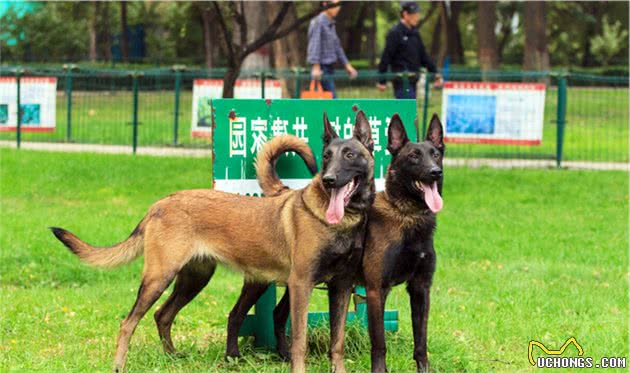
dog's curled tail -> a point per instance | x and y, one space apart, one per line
121 253
268 155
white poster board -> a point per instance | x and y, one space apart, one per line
204 90
37 99
493 113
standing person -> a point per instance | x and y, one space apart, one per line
405 52
324 48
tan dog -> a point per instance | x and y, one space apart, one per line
300 237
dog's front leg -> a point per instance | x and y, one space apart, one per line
420 301
419 289
300 293
376 327
338 298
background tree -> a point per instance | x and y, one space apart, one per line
255 17
536 55
93 30
61 25
206 17
356 27
190 32
488 53
124 36
104 33
237 51
609 42
438 39
289 51
506 16
454 47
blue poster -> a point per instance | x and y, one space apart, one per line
471 114
31 114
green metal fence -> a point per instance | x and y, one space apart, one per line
585 116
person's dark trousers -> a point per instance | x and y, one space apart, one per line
400 92
327 81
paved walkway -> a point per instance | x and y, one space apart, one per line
535 163
110 149
200 153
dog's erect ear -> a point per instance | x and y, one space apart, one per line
396 135
435 134
329 131
362 131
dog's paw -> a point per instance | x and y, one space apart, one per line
232 355
284 354
177 354
423 366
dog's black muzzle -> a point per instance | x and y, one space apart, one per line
435 173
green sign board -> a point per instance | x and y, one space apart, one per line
242 126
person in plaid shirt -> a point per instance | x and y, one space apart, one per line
324 48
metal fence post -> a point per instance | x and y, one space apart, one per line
135 112
18 129
68 69
298 83
425 105
405 81
561 116
178 83
263 76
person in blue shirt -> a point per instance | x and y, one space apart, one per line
324 48
405 52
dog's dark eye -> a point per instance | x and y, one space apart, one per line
326 156
413 156
436 155
349 155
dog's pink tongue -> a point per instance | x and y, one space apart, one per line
432 197
335 211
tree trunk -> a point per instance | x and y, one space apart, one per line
206 19
237 51
455 50
343 24
93 31
229 79
351 27
536 55
124 37
486 38
255 13
284 52
436 37
439 44
372 35
105 33
590 30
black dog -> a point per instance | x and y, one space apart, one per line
399 242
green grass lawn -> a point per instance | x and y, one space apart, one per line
522 254
596 128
